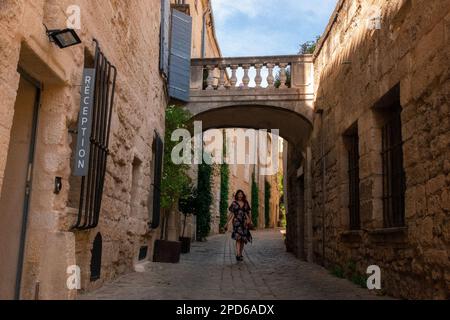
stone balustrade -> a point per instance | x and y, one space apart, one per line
245 93
252 73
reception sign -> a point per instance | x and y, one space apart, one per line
85 123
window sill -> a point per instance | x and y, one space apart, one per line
352 236
351 233
389 236
389 231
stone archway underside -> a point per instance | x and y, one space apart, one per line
293 127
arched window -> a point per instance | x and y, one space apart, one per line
96 258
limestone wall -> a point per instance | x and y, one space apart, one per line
138 111
199 9
369 47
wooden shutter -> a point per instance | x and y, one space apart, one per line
165 37
180 56
159 153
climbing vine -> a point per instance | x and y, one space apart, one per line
282 207
224 191
267 196
255 201
204 201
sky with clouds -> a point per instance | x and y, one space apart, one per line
269 27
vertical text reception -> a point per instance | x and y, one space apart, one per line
85 123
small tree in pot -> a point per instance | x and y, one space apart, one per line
174 181
186 205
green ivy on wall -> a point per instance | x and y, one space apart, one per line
255 201
267 196
224 191
204 201
282 207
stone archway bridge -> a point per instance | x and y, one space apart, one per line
271 92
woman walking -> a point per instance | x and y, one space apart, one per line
242 222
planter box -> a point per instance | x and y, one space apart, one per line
185 245
167 251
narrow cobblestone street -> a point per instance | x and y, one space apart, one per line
210 272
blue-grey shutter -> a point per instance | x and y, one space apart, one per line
165 37
180 56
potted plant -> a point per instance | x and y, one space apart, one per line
186 206
173 183
166 251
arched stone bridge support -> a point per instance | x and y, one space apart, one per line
264 93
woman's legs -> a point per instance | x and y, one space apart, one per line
241 248
238 248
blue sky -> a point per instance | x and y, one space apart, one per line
269 27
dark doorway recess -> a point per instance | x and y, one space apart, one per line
96 258
17 186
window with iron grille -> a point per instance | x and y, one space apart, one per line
393 172
97 141
353 178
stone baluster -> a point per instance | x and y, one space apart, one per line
258 78
222 78
270 77
233 79
246 78
283 75
210 79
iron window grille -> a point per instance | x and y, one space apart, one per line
92 184
393 172
353 176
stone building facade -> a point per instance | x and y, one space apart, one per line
204 45
241 177
371 188
40 88
380 148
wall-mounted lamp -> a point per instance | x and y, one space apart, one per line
63 38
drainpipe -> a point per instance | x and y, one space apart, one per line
205 13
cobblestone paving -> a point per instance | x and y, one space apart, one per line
211 272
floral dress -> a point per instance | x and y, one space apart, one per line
240 229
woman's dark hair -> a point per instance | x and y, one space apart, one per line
243 193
